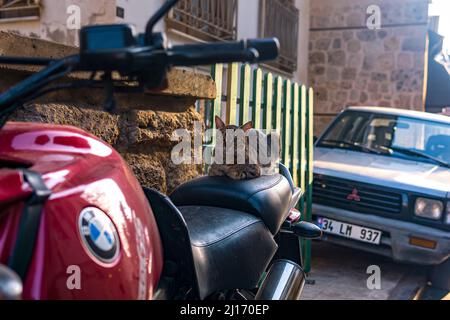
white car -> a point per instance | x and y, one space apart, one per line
382 183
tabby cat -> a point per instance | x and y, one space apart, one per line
248 151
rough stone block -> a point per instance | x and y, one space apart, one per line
413 44
317 58
99 123
366 35
336 57
353 46
378 76
323 44
349 74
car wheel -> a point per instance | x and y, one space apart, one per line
440 276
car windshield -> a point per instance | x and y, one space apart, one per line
396 136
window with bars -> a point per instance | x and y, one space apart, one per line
19 10
280 18
208 20
120 12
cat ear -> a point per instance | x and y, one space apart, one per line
219 123
247 126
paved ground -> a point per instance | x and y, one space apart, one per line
340 273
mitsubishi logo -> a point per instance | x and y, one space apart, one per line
354 196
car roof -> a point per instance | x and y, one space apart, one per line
403 113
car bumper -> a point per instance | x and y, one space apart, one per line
395 241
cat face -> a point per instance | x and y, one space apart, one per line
232 142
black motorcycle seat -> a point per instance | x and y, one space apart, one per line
230 249
266 197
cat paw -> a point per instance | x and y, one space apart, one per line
253 172
214 171
235 175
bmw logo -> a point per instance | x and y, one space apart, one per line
99 235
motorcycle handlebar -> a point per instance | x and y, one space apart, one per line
252 51
135 60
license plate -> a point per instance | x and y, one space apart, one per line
348 230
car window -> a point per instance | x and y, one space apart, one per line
411 134
429 137
379 132
349 128
390 135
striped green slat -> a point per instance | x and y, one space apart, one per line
302 137
295 132
244 107
256 98
309 151
232 90
217 75
268 101
216 108
309 174
302 157
286 122
278 104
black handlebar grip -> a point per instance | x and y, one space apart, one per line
226 47
194 58
252 51
268 48
210 53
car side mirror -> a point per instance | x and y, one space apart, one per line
10 284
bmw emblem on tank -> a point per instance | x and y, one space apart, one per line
99 235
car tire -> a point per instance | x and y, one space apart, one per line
440 276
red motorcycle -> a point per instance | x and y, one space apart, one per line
70 206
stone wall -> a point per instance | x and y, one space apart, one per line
350 64
140 129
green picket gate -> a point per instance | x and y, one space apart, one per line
272 103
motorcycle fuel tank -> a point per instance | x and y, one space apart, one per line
97 236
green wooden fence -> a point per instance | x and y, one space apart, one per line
272 103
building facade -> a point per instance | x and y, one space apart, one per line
191 21
335 46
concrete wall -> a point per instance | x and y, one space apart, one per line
138 12
53 22
350 64
303 40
